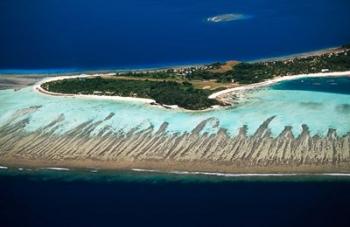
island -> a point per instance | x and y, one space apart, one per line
196 88
166 93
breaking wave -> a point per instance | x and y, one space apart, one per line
56 168
243 174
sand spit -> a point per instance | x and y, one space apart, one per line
156 148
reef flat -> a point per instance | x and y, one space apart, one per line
156 148
17 82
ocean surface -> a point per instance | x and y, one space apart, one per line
81 198
64 35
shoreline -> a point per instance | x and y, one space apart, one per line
219 174
304 54
276 80
178 168
63 72
30 169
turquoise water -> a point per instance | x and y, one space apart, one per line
320 110
86 197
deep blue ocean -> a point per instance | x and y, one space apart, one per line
69 35
59 198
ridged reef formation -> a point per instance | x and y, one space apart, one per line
157 148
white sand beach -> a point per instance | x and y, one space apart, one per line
37 87
276 80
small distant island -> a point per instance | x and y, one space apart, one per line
190 87
227 17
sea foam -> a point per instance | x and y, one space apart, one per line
56 168
243 174
218 174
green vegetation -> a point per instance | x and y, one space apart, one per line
203 75
216 65
164 92
168 74
247 73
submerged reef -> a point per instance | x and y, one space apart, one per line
158 148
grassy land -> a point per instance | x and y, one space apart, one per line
199 84
164 92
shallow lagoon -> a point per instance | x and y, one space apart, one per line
321 103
